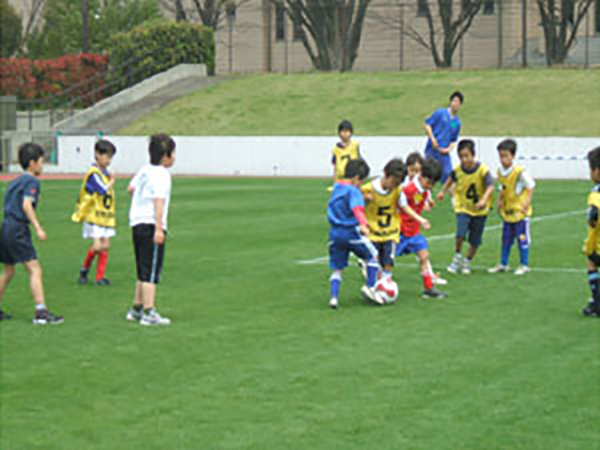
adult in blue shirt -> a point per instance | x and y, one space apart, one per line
443 130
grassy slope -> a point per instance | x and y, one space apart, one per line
254 359
498 103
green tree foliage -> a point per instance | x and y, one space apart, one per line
10 29
63 32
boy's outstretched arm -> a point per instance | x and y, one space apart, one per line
30 213
412 213
159 234
445 188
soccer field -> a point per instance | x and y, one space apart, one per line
255 359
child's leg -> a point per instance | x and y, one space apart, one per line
138 299
9 273
475 235
524 239
335 281
35 281
508 237
594 282
425 269
103 246
148 295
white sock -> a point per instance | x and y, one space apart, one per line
40 306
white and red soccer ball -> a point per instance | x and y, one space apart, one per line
387 289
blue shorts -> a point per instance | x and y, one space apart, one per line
16 246
518 230
386 251
343 241
470 228
411 244
444 160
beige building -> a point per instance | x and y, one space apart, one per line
260 38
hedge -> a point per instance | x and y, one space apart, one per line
154 47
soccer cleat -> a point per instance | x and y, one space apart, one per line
499 268
4 316
591 310
83 277
456 264
466 267
438 280
45 317
434 293
372 295
334 304
133 315
153 318
102 282
522 270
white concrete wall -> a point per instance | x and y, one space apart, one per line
311 156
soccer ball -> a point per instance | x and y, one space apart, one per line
387 289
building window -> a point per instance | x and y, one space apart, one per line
279 23
422 8
489 7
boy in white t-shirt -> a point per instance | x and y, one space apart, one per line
151 193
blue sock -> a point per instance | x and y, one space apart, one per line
505 254
335 281
372 271
524 254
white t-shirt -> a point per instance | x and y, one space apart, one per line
525 180
150 183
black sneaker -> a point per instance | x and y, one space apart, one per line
44 317
4 316
591 310
83 277
434 293
102 282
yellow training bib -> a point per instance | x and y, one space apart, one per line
470 189
592 243
94 207
342 156
382 214
512 203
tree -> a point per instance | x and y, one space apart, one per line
329 30
33 11
560 22
64 28
210 13
444 32
10 31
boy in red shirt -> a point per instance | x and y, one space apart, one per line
413 199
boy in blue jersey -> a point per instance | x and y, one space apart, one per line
16 246
349 230
443 130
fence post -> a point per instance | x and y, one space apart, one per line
587 39
401 36
524 34
500 34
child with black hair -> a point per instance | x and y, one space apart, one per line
16 245
473 186
349 231
151 194
96 208
591 247
344 151
514 206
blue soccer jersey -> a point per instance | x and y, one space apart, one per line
445 128
340 210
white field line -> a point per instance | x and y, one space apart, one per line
323 259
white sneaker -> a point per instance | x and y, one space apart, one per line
133 315
498 269
154 318
466 267
438 281
362 265
522 270
334 303
456 264
371 294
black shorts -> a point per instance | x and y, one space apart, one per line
387 252
470 228
16 246
594 258
149 256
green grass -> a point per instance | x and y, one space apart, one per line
254 358
498 103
